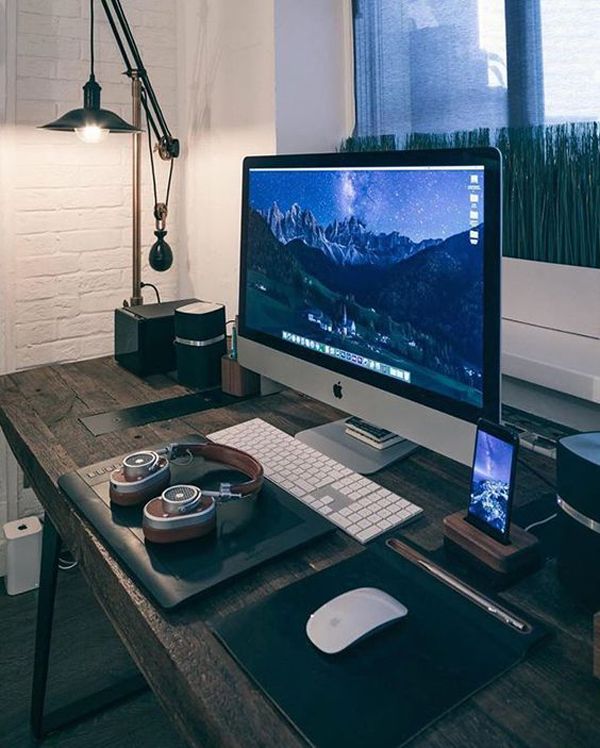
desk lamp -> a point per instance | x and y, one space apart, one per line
92 124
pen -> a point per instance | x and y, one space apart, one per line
464 589
233 352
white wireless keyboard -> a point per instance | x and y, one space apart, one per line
358 505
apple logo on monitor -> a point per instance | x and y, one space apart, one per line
337 391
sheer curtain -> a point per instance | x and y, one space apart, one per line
571 59
507 72
444 65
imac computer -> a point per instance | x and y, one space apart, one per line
371 281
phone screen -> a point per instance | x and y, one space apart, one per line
491 482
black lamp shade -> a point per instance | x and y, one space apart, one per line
90 115
79 118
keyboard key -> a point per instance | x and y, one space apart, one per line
340 474
367 534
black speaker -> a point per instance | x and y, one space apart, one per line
200 342
578 488
145 335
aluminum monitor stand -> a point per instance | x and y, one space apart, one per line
332 440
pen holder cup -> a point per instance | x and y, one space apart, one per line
237 381
506 563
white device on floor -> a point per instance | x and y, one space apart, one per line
361 507
23 554
351 617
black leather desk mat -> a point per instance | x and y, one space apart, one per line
389 687
162 410
173 573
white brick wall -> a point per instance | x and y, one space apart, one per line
65 215
71 213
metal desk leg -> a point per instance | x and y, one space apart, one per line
42 724
43 632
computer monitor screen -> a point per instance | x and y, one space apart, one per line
376 270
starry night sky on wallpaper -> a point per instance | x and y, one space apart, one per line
493 458
417 204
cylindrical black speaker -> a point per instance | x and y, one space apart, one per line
200 342
578 488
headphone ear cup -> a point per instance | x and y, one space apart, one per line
161 527
129 493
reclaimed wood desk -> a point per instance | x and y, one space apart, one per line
551 699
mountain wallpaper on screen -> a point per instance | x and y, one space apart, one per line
416 304
346 242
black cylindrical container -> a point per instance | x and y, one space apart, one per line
200 342
578 488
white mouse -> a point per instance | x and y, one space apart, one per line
352 616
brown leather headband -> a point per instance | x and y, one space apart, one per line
230 457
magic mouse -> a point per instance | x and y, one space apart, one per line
352 616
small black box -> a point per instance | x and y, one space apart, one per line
144 337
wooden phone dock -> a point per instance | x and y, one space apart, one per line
506 562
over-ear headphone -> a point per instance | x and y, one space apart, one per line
146 474
180 513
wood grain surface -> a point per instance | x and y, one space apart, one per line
551 699
521 553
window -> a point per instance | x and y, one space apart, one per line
571 54
429 65
433 66
442 73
